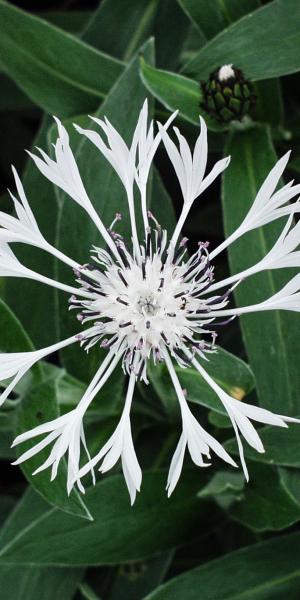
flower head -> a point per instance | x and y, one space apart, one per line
145 299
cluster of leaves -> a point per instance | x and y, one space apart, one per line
215 533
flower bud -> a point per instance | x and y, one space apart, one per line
227 95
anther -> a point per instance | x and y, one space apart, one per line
122 277
161 284
148 242
122 301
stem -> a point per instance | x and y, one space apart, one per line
135 239
184 213
107 238
99 380
234 236
144 208
61 256
57 284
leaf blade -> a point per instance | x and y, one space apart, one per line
249 44
49 73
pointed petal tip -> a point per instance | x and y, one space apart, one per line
133 496
14 170
170 491
36 472
17 440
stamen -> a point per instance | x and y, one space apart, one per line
118 217
220 323
148 243
122 277
182 244
122 301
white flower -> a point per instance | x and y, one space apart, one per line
268 204
67 431
193 436
120 445
282 255
124 159
240 413
148 301
67 434
64 173
190 169
16 364
10 266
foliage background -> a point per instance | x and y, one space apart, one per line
217 538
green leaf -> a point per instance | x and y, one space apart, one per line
271 338
218 420
14 339
135 580
266 505
290 480
282 447
39 584
269 104
34 584
249 44
171 24
161 204
76 231
119 533
63 76
176 92
6 438
87 592
230 372
12 98
223 483
39 406
214 16
265 571
6 505
119 27
40 322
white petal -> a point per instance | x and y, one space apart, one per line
37 448
176 464
218 168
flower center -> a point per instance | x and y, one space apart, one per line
146 303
